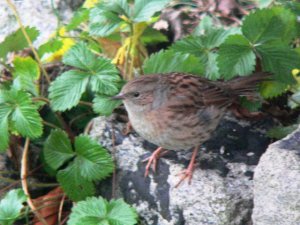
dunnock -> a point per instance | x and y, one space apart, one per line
178 111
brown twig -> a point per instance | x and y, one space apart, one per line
24 182
61 205
113 154
14 9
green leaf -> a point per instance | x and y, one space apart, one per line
95 211
93 160
104 105
25 117
280 60
191 45
204 47
252 106
211 67
50 46
74 184
97 72
145 9
215 37
266 25
23 114
5 111
205 25
236 57
81 57
105 79
66 90
280 132
170 61
26 73
11 205
152 36
16 41
271 89
57 149
80 16
105 17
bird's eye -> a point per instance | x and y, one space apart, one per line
136 94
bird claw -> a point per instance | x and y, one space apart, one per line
185 174
153 159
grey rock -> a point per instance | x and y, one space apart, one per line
33 13
277 183
221 190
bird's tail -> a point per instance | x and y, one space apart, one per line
246 86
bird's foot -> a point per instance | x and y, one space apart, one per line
153 159
188 172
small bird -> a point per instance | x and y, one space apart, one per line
178 111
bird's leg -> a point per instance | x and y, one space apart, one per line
188 172
152 160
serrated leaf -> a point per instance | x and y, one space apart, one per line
76 186
26 73
11 205
24 117
97 72
50 46
191 45
66 90
152 36
16 41
204 48
105 79
270 24
145 9
94 161
211 68
215 37
57 149
105 18
236 57
95 211
81 57
80 16
205 25
5 111
104 105
280 132
271 89
280 60
252 106
170 61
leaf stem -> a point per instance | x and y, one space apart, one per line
24 182
13 8
86 103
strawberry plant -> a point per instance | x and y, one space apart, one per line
105 44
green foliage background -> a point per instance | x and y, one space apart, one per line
267 40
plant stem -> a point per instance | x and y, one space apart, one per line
24 182
13 8
86 103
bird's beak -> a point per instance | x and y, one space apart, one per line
118 97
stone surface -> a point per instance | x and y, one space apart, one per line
37 14
277 183
221 190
